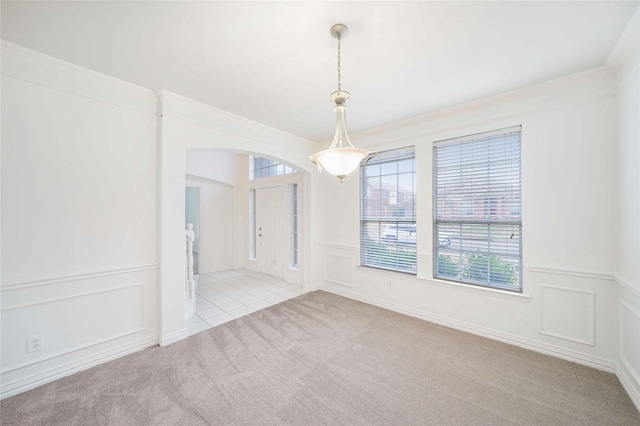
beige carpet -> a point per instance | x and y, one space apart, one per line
324 359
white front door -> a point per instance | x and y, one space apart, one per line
271 230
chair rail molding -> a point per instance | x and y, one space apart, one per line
78 277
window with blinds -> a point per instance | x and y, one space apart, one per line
388 211
477 210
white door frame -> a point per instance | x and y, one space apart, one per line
185 124
291 274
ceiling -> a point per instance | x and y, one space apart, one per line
275 62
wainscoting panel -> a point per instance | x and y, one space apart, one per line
83 321
338 269
568 314
629 339
66 323
628 370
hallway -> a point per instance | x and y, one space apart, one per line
226 295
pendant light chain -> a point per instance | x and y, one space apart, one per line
339 66
341 158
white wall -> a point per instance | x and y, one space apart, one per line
79 222
86 168
568 162
627 267
215 225
214 164
224 167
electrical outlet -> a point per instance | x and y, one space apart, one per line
35 343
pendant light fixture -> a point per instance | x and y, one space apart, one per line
342 157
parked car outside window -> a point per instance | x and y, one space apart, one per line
405 234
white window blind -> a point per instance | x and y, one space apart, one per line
477 209
388 211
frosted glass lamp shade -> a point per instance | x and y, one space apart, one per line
339 161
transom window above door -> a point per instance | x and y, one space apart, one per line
260 167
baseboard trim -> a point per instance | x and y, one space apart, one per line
38 379
311 287
176 336
628 384
589 361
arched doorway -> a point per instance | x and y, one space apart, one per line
186 125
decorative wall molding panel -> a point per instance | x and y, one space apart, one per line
568 314
67 322
629 348
338 269
72 350
627 285
90 275
73 296
569 272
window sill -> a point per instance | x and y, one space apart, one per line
410 277
479 289
387 271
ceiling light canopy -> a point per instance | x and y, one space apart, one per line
341 158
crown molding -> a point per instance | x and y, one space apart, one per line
186 109
538 90
8 48
28 66
626 44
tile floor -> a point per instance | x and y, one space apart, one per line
226 295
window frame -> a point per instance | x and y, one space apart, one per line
491 257
373 247
263 167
